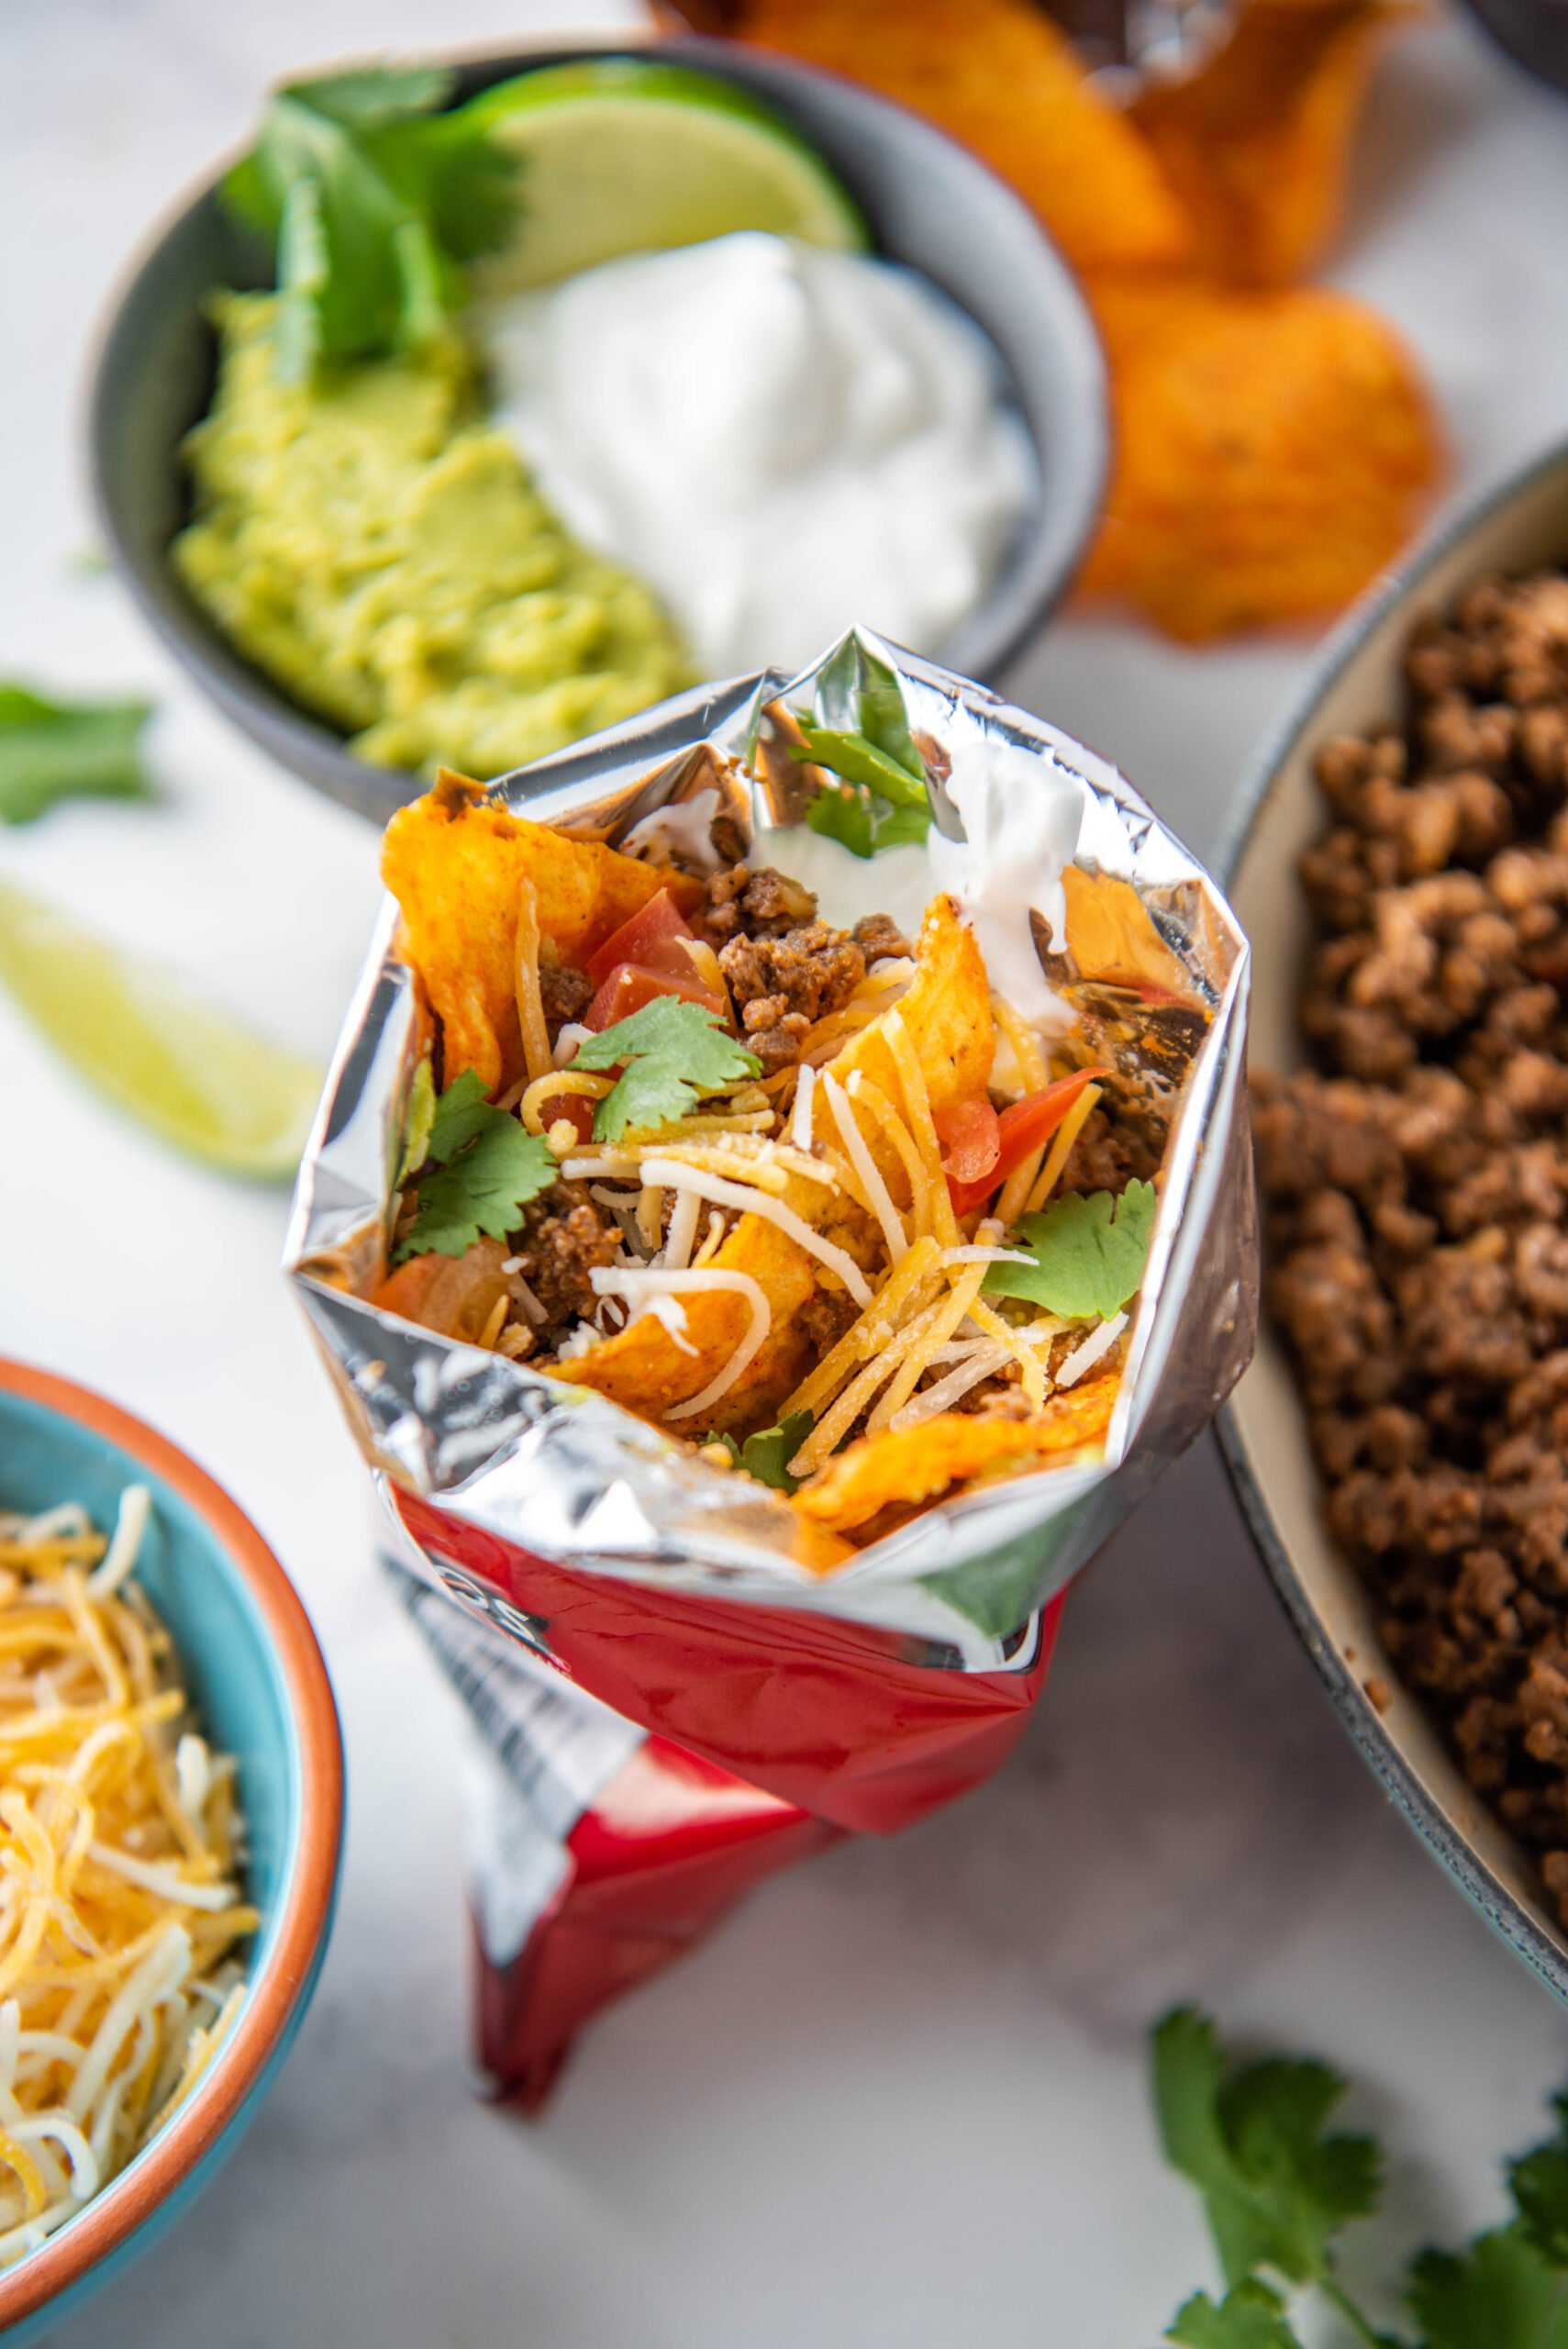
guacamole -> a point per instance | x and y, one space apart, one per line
377 549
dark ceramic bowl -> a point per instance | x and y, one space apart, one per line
929 205
1278 814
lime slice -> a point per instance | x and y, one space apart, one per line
132 1028
621 155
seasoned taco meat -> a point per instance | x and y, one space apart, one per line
565 993
780 987
566 1239
1416 1181
764 903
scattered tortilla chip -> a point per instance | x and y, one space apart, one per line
1000 77
456 862
1257 140
911 1466
946 1012
1274 451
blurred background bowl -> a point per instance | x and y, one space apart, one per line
1278 813
250 1662
929 205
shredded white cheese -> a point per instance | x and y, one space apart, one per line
800 1124
1097 1344
745 1200
866 1167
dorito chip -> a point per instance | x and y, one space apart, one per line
646 1369
905 1466
1257 140
1000 77
1273 452
456 865
946 1014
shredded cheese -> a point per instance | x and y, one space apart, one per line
896 1133
681 1232
1067 1134
119 1903
800 1122
917 1115
866 1167
675 1176
650 1292
1093 1350
550 1086
873 1329
537 1056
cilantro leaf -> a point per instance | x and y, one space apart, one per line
1501 2293
372 201
52 751
1539 2183
767 1455
1250 2317
481 1168
882 801
1085 1262
674 1052
1275 2188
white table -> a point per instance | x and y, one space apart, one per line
900 2099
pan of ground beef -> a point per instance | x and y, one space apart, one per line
1401 1444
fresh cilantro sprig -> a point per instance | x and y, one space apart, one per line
478 1171
1278 2188
52 751
767 1455
1089 1254
881 799
674 1052
373 201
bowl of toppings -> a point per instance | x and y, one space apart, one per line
171 1814
1398 1443
476 409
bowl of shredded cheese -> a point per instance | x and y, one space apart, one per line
171 1816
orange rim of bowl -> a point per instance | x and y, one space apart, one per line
115 2213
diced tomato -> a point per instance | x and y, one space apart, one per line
452 1295
575 1107
1021 1128
970 1133
651 939
631 984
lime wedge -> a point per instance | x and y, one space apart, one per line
622 155
133 1029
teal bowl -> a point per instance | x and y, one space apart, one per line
257 1678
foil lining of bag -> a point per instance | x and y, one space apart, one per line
562 1472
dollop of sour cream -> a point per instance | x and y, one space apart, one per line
780 440
1021 818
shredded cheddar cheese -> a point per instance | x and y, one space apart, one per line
119 1839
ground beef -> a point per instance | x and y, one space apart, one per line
565 1238
1416 1187
565 993
764 903
781 985
879 939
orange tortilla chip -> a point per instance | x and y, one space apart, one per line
1274 451
912 1465
456 862
643 1369
946 1012
1001 78
1112 938
1257 140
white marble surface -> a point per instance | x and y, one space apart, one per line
901 2098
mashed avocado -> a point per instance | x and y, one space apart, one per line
369 542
